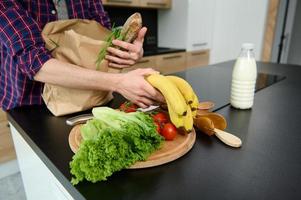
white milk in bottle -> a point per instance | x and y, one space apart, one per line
244 78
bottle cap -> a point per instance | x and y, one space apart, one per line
248 46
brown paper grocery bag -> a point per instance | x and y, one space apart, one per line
78 42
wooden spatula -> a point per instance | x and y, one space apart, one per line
214 124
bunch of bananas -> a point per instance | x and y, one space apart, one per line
181 100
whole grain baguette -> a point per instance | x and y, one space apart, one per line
131 27
128 33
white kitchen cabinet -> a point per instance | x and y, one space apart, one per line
188 24
200 24
38 180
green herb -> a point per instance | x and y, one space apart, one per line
115 34
113 140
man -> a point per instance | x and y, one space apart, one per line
26 64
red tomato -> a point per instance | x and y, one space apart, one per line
128 107
169 131
160 117
158 127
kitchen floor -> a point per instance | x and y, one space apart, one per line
11 187
11 184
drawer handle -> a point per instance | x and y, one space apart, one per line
199 53
172 57
120 1
199 44
143 61
156 4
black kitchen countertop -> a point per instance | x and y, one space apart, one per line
267 166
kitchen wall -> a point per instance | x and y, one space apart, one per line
237 21
228 23
295 43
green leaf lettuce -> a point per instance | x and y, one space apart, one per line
112 141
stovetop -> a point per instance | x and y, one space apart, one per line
213 83
161 50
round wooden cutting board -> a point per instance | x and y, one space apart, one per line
170 150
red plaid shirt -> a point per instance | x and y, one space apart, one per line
22 50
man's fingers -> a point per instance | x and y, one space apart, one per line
141 35
120 60
141 105
119 66
126 45
123 54
159 97
145 101
119 53
154 94
147 71
150 90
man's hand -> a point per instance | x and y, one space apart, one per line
131 85
134 87
129 54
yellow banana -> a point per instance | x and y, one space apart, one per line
184 88
193 113
176 119
194 106
188 120
170 92
195 103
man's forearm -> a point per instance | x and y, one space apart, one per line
72 76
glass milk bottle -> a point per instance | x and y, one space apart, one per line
244 78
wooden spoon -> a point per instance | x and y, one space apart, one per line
228 138
218 120
206 124
206 105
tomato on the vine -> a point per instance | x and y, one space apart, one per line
158 127
169 131
128 107
160 117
